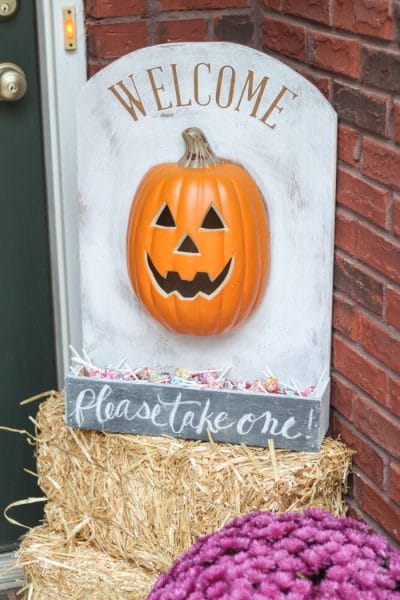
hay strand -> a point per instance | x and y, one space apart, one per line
48 394
21 503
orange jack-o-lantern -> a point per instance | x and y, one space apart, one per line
198 242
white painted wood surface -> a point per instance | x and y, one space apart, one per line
293 163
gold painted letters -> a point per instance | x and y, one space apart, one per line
275 105
132 101
164 88
196 83
156 88
250 94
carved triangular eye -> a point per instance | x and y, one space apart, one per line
164 218
213 220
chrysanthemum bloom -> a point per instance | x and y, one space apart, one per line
293 556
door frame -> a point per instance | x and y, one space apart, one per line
62 73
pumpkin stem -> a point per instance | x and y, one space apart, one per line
198 153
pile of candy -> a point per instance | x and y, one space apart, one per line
207 379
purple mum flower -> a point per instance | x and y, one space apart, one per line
291 556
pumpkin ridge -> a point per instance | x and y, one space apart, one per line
175 303
148 288
261 217
238 315
168 309
251 303
134 221
217 326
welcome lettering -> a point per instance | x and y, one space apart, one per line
224 87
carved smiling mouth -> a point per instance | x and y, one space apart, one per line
201 283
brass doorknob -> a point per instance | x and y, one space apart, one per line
7 9
12 82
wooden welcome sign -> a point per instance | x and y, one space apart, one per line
206 182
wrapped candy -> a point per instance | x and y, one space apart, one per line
184 377
308 391
272 385
257 386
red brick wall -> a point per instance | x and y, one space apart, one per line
349 49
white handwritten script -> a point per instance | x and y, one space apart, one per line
178 416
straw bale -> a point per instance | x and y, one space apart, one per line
147 499
56 569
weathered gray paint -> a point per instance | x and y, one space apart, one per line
230 416
293 164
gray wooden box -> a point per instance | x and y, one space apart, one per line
227 416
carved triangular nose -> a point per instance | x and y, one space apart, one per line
187 246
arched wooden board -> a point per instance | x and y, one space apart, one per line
281 129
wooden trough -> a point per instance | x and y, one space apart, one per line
118 406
